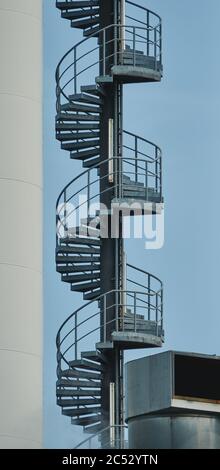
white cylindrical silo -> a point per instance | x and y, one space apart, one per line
21 223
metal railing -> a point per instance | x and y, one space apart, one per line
139 148
81 58
81 198
153 287
84 325
116 443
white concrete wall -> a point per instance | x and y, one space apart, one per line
21 223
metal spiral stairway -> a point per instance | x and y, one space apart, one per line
124 308
83 15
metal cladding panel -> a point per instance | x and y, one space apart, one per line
149 384
174 432
173 382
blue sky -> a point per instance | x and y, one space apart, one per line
181 115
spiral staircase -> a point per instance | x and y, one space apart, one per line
125 170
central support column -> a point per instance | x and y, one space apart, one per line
110 247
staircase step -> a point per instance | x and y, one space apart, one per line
135 194
80 277
129 49
88 22
88 144
81 250
91 295
81 241
92 90
85 287
82 108
95 356
64 116
79 269
87 231
86 421
81 411
61 392
94 31
94 429
95 162
86 221
85 98
61 5
85 154
82 374
139 323
76 127
78 402
78 259
86 393
129 315
128 59
133 184
84 364
135 187
69 136
72 15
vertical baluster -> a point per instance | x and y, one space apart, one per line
75 70
118 304
146 180
65 225
134 45
156 170
156 314
136 159
104 51
149 298
135 311
104 319
160 45
88 192
148 33
58 356
76 336
155 47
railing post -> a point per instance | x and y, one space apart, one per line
157 313
148 33
149 298
58 352
76 337
155 47
65 215
88 192
118 294
135 311
122 15
104 51
146 179
104 307
75 71
156 169
160 42
161 313
134 45
136 159
161 176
